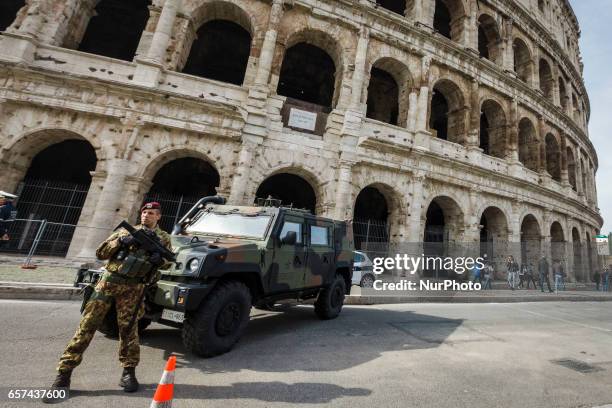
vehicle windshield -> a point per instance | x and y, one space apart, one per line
209 223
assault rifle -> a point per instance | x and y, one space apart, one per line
147 241
150 243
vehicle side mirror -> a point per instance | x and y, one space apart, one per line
289 239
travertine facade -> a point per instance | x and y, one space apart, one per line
515 63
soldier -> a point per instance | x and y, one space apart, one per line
7 214
123 282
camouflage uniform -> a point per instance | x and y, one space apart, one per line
125 291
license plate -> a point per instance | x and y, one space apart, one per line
173 315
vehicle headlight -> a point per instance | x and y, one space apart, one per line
193 265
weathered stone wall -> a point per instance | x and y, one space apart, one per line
142 114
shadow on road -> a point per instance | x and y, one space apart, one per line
297 340
274 391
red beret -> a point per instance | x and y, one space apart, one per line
154 205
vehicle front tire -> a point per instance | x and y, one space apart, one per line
220 320
331 299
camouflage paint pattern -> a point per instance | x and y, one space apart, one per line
109 248
123 295
279 267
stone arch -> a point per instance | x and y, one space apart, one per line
20 151
223 43
493 129
553 157
372 209
51 172
395 6
167 155
531 240
447 111
571 168
557 242
529 145
546 79
577 113
115 28
443 228
489 39
493 226
177 179
522 60
591 252
206 11
453 218
296 191
579 272
388 87
8 12
311 57
583 176
448 19
393 188
263 171
563 93
155 163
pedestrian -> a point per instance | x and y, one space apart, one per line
543 272
488 275
529 276
522 272
604 279
477 274
512 269
558 275
123 283
7 215
596 279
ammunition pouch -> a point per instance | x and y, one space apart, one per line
135 265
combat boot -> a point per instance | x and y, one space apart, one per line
62 381
128 380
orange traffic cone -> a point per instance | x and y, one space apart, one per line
165 389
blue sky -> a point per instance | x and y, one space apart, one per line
595 17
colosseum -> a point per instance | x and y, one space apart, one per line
436 121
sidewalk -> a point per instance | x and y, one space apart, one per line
59 291
361 296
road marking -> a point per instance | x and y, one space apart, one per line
563 320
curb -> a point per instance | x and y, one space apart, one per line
381 300
39 292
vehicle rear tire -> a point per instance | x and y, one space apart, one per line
331 299
220 320
367 281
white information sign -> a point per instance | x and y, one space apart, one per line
302 119
602 245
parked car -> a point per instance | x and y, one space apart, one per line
363 267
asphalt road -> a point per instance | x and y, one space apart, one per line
415 355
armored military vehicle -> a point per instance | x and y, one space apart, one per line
230 258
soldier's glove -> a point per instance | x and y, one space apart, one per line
156 259
127 240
